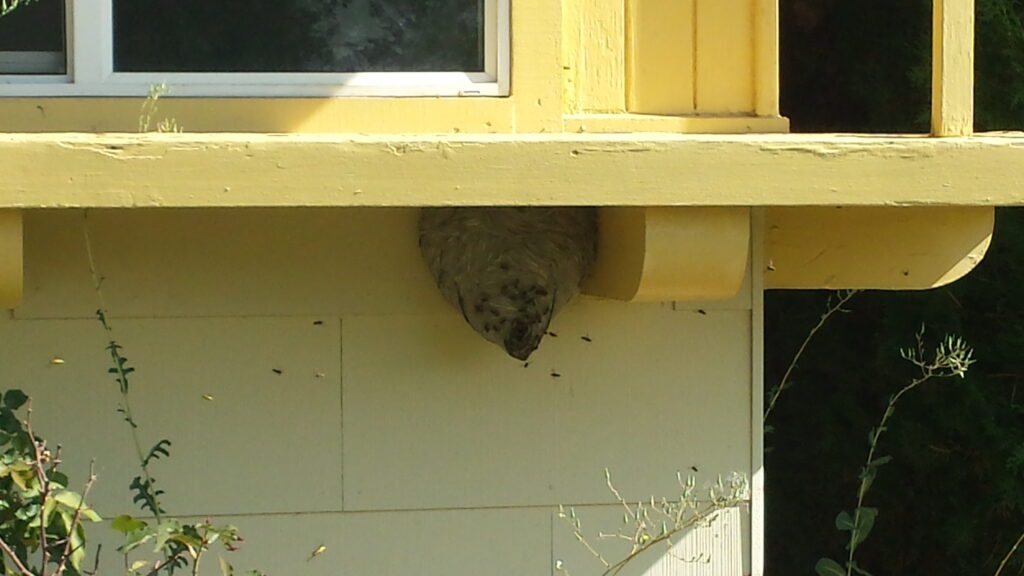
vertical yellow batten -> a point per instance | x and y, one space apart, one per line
594 56
536 69
11 275
659 57
766 57
725 58
953 67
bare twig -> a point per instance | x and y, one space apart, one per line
14 558
641 520
76 520
833 306
1009 554
38 449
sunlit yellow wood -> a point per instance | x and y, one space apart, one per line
725 59
11 277
660 56
622 123
662 253
593 51
654 169
273 115
953 67
536 69
766 57
884 248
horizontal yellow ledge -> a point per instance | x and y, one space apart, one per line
642 169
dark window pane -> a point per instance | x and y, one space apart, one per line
32 39
297 35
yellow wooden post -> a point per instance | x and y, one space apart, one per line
660 56
593 53
766 57
952 67
10 258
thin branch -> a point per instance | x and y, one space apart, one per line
119 363
76 520
44 485
831 309
1009 554
14 558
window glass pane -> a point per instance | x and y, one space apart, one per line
32 39
298 35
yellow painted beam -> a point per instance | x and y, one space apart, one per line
660 49
952 67
11 276
593 53
663 253
652 169
883 248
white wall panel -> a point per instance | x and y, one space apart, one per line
267 442
427 402
435 543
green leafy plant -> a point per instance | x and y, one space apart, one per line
952 357
180 544
39 514
8 6
658 522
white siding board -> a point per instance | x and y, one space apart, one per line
432 543
427 403
267 442
714 549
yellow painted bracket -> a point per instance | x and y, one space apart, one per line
670 253
910 248
10 258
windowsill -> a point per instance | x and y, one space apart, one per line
259 85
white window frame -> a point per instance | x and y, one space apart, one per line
90 69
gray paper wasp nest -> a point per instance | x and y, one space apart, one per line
509 270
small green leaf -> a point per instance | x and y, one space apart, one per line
867 479
880 461
829 567
77 548
14 399
125 524
59 478
865 522
844 521
68 498
225 568
135 539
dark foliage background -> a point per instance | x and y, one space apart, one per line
952 501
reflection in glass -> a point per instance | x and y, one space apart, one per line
32 39
298 35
